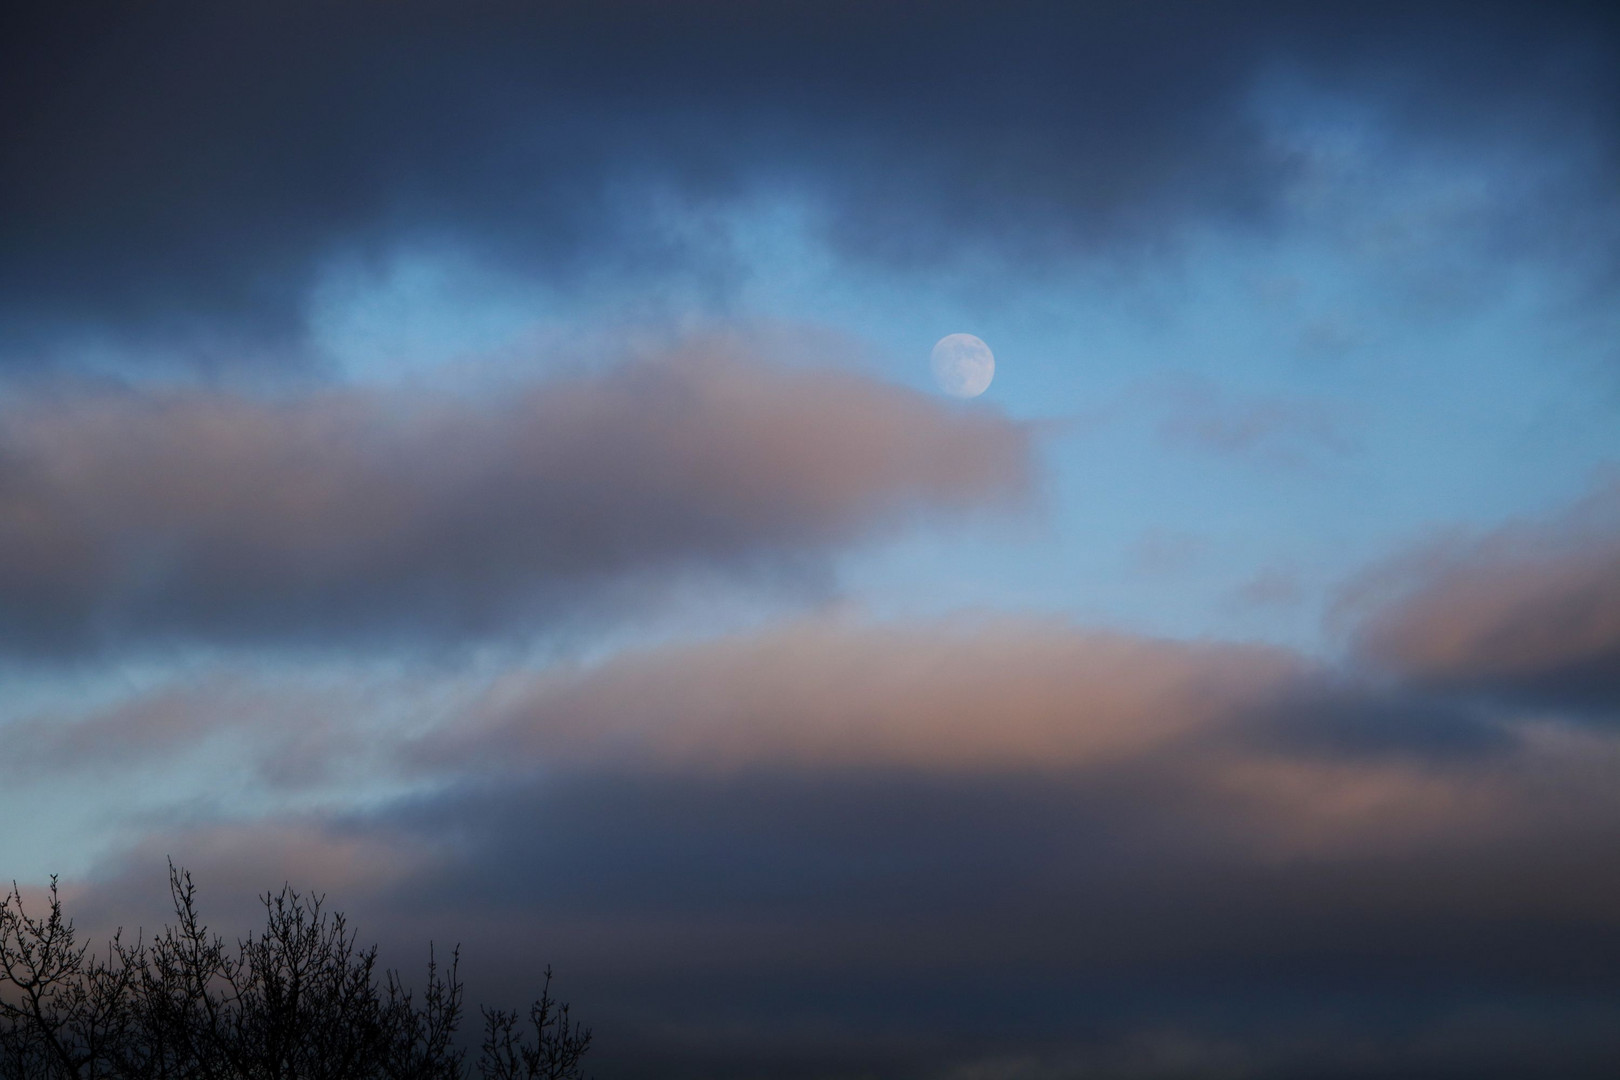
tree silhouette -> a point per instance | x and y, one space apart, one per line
299 1001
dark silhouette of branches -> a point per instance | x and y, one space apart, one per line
299 1001
553 1055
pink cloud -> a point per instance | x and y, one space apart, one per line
1531 608
1009 693
129 516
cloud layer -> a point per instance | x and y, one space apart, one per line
345 513
184 172
983 846
824 846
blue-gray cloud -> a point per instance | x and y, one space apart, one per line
181 172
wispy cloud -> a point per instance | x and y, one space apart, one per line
1200 414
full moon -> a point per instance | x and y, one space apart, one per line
963 365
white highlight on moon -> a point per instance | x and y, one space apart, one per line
963 365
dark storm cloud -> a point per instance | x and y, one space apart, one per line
135 517
918 919
181 170
1529 612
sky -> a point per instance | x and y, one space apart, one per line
482 462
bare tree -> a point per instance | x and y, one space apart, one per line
555 1052
300 1001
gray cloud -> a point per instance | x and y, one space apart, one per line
143 516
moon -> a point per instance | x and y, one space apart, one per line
963 365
